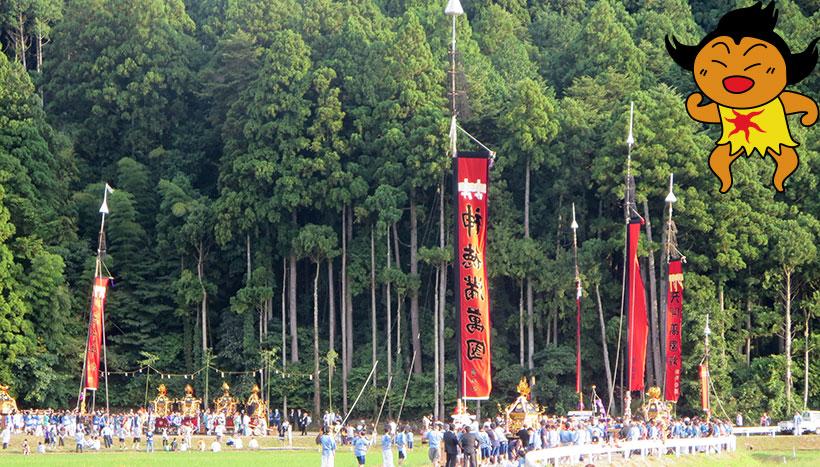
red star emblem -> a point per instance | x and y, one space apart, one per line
744 122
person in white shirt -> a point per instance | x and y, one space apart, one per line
218 430
6 437
238 443
215 446
253 444
246 425
183 447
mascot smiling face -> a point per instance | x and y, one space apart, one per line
743 67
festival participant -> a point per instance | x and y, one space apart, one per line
41 448
401 444
328 444
149 440
798 424
451 445
6 436
408 433
485 445
764 419
387 447
238 443
216 446
276 420
360 445
253 444
434 437
26 449
469 443
79 438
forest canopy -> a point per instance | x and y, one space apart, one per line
281 175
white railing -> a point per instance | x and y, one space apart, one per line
756 430
643 448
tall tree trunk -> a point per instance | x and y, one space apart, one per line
373 298
748 350
530 327
284 332
436 387
39 52
22 41
388 312
557 258
284 319
343 314
414 291
331 307
248 270
610 388
806 349
349 294
649 360
530 317
653 300
399 298
521 344
294 341
787 335
317 394
200 271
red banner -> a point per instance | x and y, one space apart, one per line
636 304
95 329
473 302
704 388
674 314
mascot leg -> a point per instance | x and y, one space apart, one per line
720 161
785 164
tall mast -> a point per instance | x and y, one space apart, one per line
629 209
98 274
578 386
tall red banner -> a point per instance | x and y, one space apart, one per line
636 304
472 288
95 332
674 316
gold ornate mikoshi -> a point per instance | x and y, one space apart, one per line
162 403
226 402
522 411
654 408
7 403
189 405
255 406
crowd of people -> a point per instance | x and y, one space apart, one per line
489 443
136 430
492 444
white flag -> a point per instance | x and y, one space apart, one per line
104 207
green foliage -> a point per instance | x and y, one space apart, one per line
238 131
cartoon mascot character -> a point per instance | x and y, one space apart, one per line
743 67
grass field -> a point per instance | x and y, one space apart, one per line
793 451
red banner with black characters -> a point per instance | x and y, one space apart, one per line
674 316
95 333
472 288
636 304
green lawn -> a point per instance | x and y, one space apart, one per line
803 451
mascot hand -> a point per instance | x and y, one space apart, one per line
693 101
810 118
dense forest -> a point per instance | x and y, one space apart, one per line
282 200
